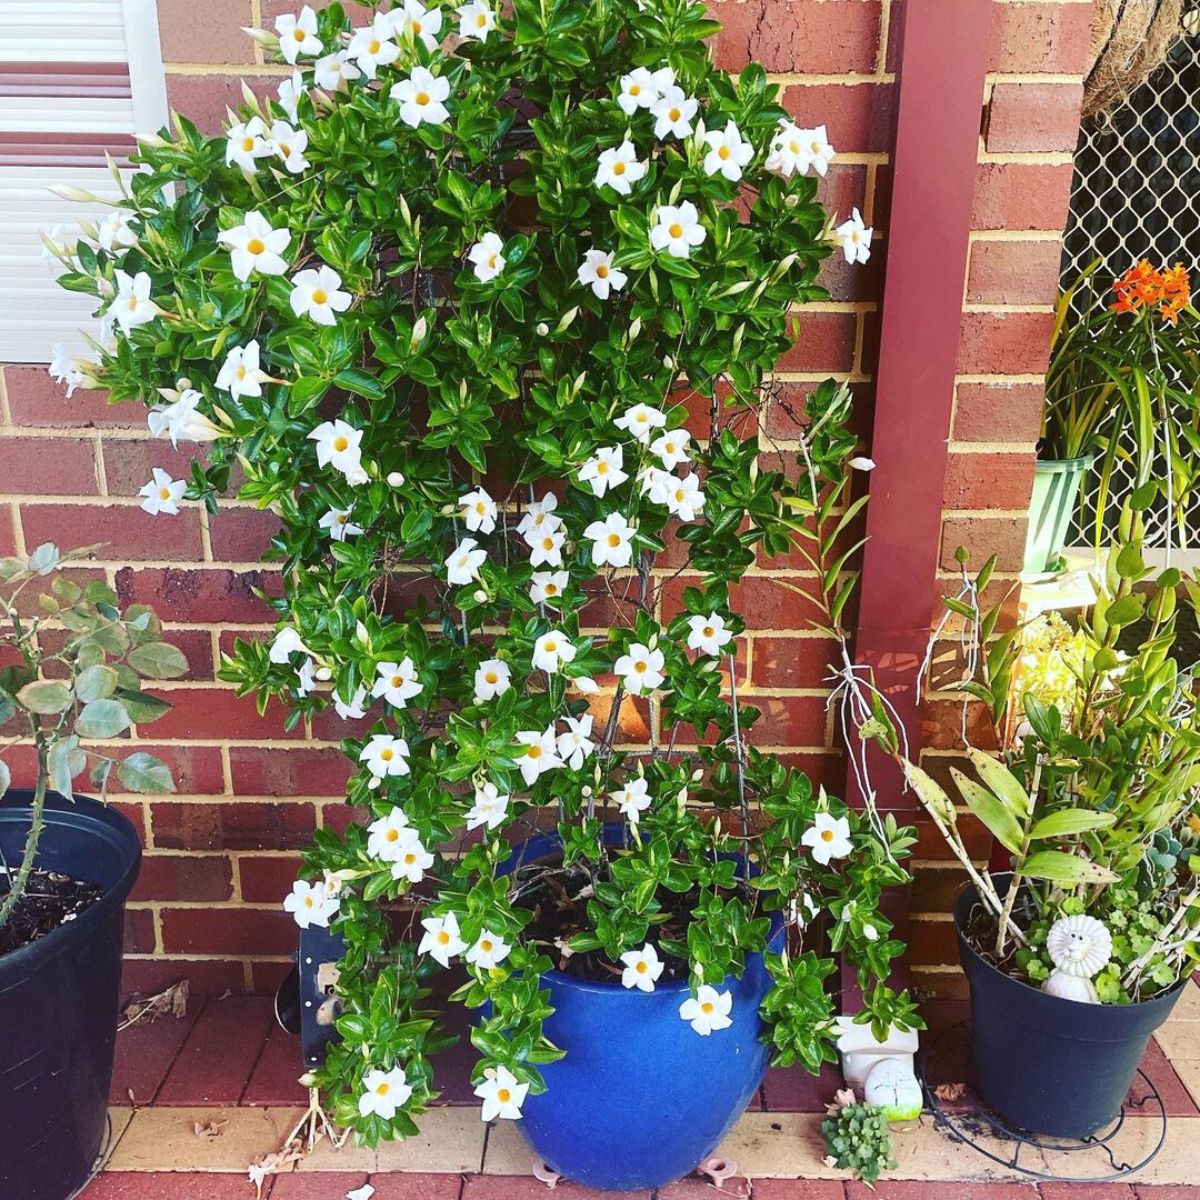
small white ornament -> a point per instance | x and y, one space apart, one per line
1079 946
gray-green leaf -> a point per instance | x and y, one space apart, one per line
990 811
142 706
5 777
8 706
46 697
158 660
142 772
96 683
1060 867
102 719
66 761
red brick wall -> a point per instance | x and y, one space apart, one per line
221 853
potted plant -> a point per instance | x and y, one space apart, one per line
75 663
1121 387
1078 952
486 321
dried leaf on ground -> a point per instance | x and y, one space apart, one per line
950 1091
274 1164
842 1098
208 1129
172 1001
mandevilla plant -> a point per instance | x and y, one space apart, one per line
486 322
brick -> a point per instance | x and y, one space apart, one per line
696 1188
1039 37
211 977
1007 343
199 596
912 1189
208 33
790 662
129 464
825 343
790 721
998 412
215 713
241 534
1028 117
359 14
857 116
1087 1191
204 98
145 1052
928 942
1022 195
984 536
306 772
196 647
48 466
231 825
525 1187
195 769
124 532
266 879
265 977
184 877
147 1185
392 1186
227 930
989 481
942 725
935 890
8 537
1007 272
34 399
825 37
139 931
798 1189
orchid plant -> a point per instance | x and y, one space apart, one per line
482 305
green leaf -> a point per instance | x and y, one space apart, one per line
8 706
158 660
1060 867
95 683
142 772
1124 610
102 719
142 706
999 820
66 761
1068 821
1003 783
47 697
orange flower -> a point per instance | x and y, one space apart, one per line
1143 285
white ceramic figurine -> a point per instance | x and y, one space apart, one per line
1079 946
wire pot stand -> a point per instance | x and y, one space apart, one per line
974 1123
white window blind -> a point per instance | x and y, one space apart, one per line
77 79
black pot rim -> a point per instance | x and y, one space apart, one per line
89 816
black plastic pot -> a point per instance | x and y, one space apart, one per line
1045 1064
58 1003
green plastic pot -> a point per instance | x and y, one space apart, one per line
1055 494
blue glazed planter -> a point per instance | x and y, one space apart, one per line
641 1098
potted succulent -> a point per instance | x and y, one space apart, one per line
486 320
1078 952
74 666
1122 385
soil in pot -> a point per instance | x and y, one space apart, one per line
50 901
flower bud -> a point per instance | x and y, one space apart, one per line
542 329
481 596
395 479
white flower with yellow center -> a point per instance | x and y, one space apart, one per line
854 238
671 448
310 904
637 91
539 518
384 1092
66 369
677 229
632 800
597 272
114 233
334 71
551 651
619 168
288 95
641 670
316 294
489 951
727 153
548 586
815 151
255 247
575 743
442 939
182 420
385 834
546 549
641 420
372 47
289 144
685 498
132 305
707 1010
336 522
604 470
385 756
284 644
642 968
478 511
655 483
502 1094
490 807
245 144
412 19
612 541
422 98
162 494
397 683
463 562
708 634
240 374
492 678
475 20
298 34
828 837
673 112
786 148
541 754
355 708
338 446
487 255
412 859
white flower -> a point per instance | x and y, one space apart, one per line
708 633
255 246
246 143
315 294
678 229
478 511
727 152
334 71
289 144
641 420
854 238
306 679
539 518
413 19
637 91
289 93
338 446
619 168
422 98
492 678
487 255
298 34
132 305
240 374
383 1093
501 1094
604 470
355 709
114 233
442 939
548 586
396 682
575 743
870 932
611 541
546 549
395 479
707 1010
540 754
490 807
310 904
489 951
828 837
59 243
633 799
585 684
663 79
551 651
641 670
385 755
384 835
162 494
64 368
862 463
336 522
799 150
673 112
642 968
671 448
412 859
475 20
286 643
802 910
182 420
371 47
464 562
685 498
597 272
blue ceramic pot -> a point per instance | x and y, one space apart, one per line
641 1098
